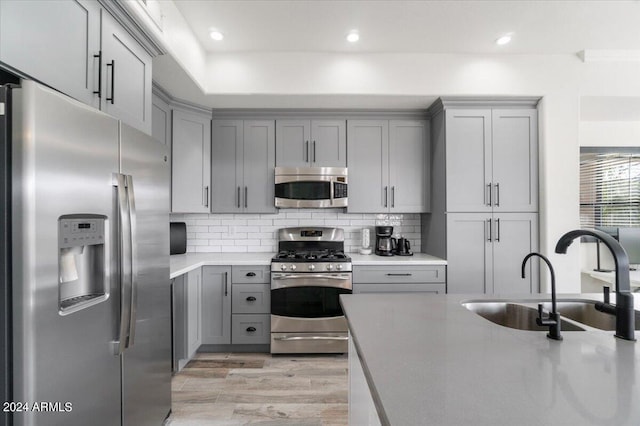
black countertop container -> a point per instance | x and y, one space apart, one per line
178 238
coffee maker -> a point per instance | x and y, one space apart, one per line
385 243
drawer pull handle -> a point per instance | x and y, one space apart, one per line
251 274
251 299
251 329
399 275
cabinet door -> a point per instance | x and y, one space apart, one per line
515 236
161 121
53 42
226 166
258 167
328 143
216 305
409 166
190 171
469 254
468 160
180 333
368 164
126 76
293 143
194 311
515 160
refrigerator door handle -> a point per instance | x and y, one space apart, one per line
133 260
124 251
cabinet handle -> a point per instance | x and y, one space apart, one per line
238 197
99 92
497 230
393 196
251 299
251 274
399 275
385 196
306 151
497 194
246 195
113 74
251 329
314 151
206 196
488 221
489 191
226 283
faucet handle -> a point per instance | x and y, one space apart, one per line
606 290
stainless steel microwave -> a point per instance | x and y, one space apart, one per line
311 187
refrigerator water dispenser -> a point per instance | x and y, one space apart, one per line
82 265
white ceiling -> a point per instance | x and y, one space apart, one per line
547 27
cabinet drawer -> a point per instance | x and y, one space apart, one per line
438 288
251 298
399 274
250 274
251 329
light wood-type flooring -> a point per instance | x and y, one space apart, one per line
260 389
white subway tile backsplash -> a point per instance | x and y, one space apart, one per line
258 232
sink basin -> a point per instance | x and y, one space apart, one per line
584 311
513 315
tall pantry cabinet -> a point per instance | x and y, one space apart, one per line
484 218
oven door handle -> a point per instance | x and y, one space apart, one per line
287 338
304 276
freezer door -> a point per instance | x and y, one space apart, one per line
64 154
146 362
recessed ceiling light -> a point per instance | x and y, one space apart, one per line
353 36
505 39
216 35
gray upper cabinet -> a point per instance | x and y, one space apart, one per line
388 166
216 305
61 39
243 162
191 162
126 76
492 160
161 121
79 49
311 143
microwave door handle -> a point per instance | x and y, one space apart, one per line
331 191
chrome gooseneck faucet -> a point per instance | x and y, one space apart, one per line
623 309
553 320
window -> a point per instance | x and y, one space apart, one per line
609 187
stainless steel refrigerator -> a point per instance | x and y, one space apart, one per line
85 235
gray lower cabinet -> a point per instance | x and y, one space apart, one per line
79 49
389 166
216 305
400 279
251 306
485 253
191 161
492 160
243 162
311 143
187 313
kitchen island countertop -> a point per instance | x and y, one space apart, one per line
183 263
430 361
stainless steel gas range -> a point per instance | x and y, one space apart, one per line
308 275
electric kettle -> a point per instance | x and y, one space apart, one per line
403 247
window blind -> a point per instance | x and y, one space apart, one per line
609 189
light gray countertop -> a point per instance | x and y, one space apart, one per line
430 361
183 263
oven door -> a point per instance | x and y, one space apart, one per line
310 191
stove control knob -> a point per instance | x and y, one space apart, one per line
339 267
293 267
329 267
283 267
312 267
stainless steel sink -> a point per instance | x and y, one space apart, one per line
584 311
514 315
